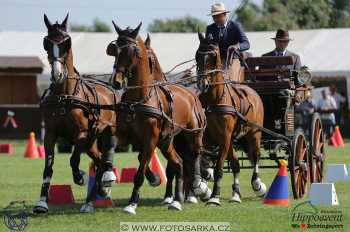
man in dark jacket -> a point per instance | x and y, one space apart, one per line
282 41
225 32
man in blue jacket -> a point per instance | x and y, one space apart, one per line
225 32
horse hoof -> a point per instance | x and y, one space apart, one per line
156 182
41 208
261 190
207 195
81 178
108 177
201 189
167 200
235 198
87 208
175 205
191 200
213 201
130 209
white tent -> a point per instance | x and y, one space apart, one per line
324 51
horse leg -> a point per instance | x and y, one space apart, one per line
218 173
190 196
152 177
145 157
109 144
79 176
225 145
199 186
258 186
175 164
182 148
170 174
49 144
235 167
104 171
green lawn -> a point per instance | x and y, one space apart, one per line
20 179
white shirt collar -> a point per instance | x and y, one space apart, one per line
284 52
225 25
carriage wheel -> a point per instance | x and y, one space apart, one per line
299 166
317 149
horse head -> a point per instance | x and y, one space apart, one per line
127 52
57 44
208 60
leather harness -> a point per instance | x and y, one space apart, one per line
64 103
222 109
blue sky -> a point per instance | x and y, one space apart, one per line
27 15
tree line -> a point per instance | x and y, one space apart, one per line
272 14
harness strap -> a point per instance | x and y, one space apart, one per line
139 109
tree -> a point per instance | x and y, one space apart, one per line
294 14
97 26
186 24
341 14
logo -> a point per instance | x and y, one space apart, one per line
305 216
15 219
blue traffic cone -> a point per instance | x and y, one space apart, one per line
278 192
100 200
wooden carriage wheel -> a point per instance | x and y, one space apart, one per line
317 149
299 166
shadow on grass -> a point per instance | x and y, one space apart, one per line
74 209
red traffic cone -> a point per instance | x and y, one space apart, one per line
127 175
157 167
333 141
278 192
61 195
31 149
41 151
100 200
6 148
116 173
338 137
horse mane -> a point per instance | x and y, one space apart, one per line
157 72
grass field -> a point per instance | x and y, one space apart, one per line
20 179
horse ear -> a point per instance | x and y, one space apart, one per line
47 22
200 36
65 22
148 42
136 30
117 29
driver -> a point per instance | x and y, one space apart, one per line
225 32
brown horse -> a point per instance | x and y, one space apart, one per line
178 142
227 107
72 109
151 113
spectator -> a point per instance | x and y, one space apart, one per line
339 100
308 106
327 106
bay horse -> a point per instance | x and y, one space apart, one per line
151 113
228 106
178 143
71 109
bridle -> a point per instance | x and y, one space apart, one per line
203 75
115 50
65 44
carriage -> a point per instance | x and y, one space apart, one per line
292 129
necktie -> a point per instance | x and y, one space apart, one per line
221 32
